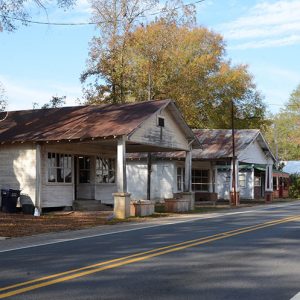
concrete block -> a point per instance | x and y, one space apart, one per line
177 205
142 208
121 205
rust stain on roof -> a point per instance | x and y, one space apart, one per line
214 144
217 143
75 123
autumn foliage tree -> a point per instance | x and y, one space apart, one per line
172 58
285 132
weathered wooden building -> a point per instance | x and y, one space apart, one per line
281 184
212 168
56 156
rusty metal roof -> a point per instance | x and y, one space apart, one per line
214 144
217 143
75 123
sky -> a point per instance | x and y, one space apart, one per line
41 61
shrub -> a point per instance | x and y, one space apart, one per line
294 190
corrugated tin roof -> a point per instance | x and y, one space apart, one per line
217 143
214 144
75 123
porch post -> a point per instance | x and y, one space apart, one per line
252 183
188 194
121 198
234 175
269 183
188 172
38 181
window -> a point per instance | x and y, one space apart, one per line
161 121
200 180
180 179
257 181
84 169
105 170
242 180
59 168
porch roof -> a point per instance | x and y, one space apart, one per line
216 144
80 122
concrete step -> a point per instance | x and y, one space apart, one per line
90 205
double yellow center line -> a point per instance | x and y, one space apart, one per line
30 285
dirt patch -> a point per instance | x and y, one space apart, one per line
14 225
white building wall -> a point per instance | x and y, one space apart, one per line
18 168
247 191
223 184
163 179
62 194
170 136
253 154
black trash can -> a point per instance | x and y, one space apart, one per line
28 209
9 200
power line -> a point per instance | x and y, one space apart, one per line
83 23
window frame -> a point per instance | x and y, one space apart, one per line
110 171
85 170
242 180
56 166
201 183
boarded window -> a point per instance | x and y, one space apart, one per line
105 170
200 180
59 168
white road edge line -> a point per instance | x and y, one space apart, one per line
58 241
296 297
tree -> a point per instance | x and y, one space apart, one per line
15 10
3 100
285 132
54 102
108 57
171 59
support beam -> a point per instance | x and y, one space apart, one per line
149 170
188 195
269 183
38 181
121 165
121 198
234 186
188 172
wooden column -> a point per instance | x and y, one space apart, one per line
188 172
234 177
38 180
253 183
269 183
121 165
149 170
121 198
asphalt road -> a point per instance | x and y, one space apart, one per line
250 254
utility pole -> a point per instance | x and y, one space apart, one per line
233 155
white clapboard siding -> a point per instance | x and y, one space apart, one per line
223 185
150 133
163 180
18 168
54 194
104 191
57 195
247 191
253 154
